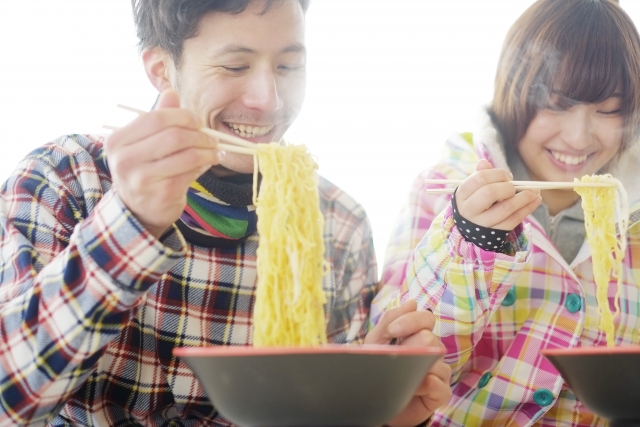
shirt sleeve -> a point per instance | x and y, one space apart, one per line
74 265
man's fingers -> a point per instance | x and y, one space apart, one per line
181 163
168 98
167 143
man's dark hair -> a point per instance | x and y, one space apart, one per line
168 23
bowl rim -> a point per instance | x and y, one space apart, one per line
591 351
363 349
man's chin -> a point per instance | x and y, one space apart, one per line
234 164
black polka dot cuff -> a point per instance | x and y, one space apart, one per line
490 239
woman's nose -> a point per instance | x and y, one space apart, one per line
577 128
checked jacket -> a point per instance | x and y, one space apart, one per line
496 312
92 305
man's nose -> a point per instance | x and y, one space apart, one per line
577 129
261 92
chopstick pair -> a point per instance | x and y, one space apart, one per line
520 185
235 144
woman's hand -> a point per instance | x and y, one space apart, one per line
414 328
489 199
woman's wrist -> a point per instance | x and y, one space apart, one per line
489 239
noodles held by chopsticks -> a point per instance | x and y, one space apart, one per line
289 297
607 248
289 306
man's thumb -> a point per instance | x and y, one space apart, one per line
168 98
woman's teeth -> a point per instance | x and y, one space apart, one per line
569 160
245 131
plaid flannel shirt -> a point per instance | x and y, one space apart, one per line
92 305
496 312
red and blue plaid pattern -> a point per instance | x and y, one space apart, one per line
91 305
496 312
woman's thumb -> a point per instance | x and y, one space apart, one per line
483 164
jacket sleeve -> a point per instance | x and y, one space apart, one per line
74 265
416 216
462 284
349 319
428 260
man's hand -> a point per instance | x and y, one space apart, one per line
414 328
155 158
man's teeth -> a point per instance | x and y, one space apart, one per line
245 131
569 160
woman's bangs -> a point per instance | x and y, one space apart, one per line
592 64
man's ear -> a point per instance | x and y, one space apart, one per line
159 67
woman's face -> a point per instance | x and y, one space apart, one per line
565 143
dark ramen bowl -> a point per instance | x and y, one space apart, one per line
605 379
357 386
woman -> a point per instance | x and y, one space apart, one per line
566 104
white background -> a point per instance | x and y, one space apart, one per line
388 82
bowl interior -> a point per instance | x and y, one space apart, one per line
606 380
328 386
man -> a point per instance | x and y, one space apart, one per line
104 268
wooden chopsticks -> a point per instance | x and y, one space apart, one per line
520 185
235 144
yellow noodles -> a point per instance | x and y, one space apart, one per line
607 248
289 297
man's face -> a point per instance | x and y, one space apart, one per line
245 74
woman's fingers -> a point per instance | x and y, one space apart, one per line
520 214
485 197
509 212
483 164
439 371
479 179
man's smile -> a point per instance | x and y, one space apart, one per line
248 131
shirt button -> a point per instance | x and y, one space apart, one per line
573 303
543 397
484 379
510 298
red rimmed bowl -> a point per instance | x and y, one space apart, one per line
334 385
605 379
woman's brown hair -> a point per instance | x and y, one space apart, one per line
582 51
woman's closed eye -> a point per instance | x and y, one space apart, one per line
611 113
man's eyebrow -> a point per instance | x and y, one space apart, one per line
235 48
231 48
